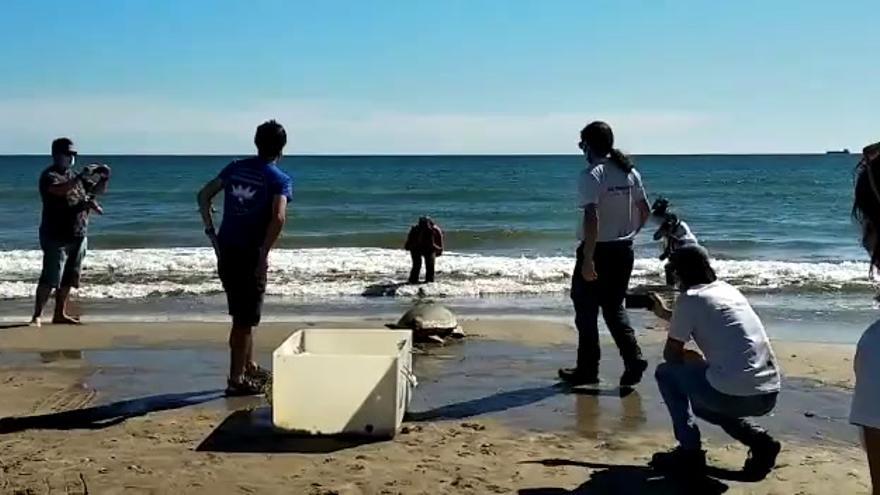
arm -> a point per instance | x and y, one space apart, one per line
591 235
276 224
589 186
644 213
62 188
673 352
659 307
872 448
205 197
437 237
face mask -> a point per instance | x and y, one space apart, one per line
65 161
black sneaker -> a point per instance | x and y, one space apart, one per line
762 459
573 376
243 388
679 460
633 372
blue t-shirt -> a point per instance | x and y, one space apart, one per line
250 186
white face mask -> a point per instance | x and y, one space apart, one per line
65 161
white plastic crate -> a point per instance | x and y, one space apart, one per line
342 381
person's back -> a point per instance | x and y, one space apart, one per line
249 187
730 334
256 195
618 195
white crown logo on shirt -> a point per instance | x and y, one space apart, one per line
243 193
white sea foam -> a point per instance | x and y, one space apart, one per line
333 272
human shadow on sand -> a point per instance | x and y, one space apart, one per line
98 417
252 431
625 479
10 326
503 401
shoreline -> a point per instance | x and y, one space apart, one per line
826 363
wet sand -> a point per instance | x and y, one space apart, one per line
486 418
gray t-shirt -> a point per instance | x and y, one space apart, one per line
615 194
731 336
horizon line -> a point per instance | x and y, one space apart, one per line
428 155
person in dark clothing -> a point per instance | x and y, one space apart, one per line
67 201
425 240
254 212
614 208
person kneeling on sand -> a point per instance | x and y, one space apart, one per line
734 378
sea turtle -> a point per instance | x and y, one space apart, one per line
430 322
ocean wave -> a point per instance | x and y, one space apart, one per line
341 272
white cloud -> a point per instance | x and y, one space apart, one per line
134 124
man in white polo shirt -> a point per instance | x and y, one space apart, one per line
734 378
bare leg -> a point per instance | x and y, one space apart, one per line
62 295
240 346
249 355
42 297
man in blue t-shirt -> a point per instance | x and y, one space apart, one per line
256 193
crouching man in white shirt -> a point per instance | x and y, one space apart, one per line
734 378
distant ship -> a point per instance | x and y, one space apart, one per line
844 151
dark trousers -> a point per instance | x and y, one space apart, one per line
417 266
614 264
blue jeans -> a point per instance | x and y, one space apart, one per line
687 393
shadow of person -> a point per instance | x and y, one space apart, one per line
10 326
99 417
498 402
629 479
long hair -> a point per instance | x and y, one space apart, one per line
692 266
599 137
866 202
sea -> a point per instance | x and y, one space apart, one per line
778 226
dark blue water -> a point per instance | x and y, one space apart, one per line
773 223
744 207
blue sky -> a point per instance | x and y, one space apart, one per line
467 76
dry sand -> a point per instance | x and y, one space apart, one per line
157 453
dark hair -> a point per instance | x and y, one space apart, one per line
270 139
599 138
692 266
866 205
660 206
61 145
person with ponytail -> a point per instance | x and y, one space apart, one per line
614 208
865 412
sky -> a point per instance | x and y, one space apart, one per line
452 76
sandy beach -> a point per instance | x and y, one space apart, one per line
476 426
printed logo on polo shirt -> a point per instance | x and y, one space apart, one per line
243 193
